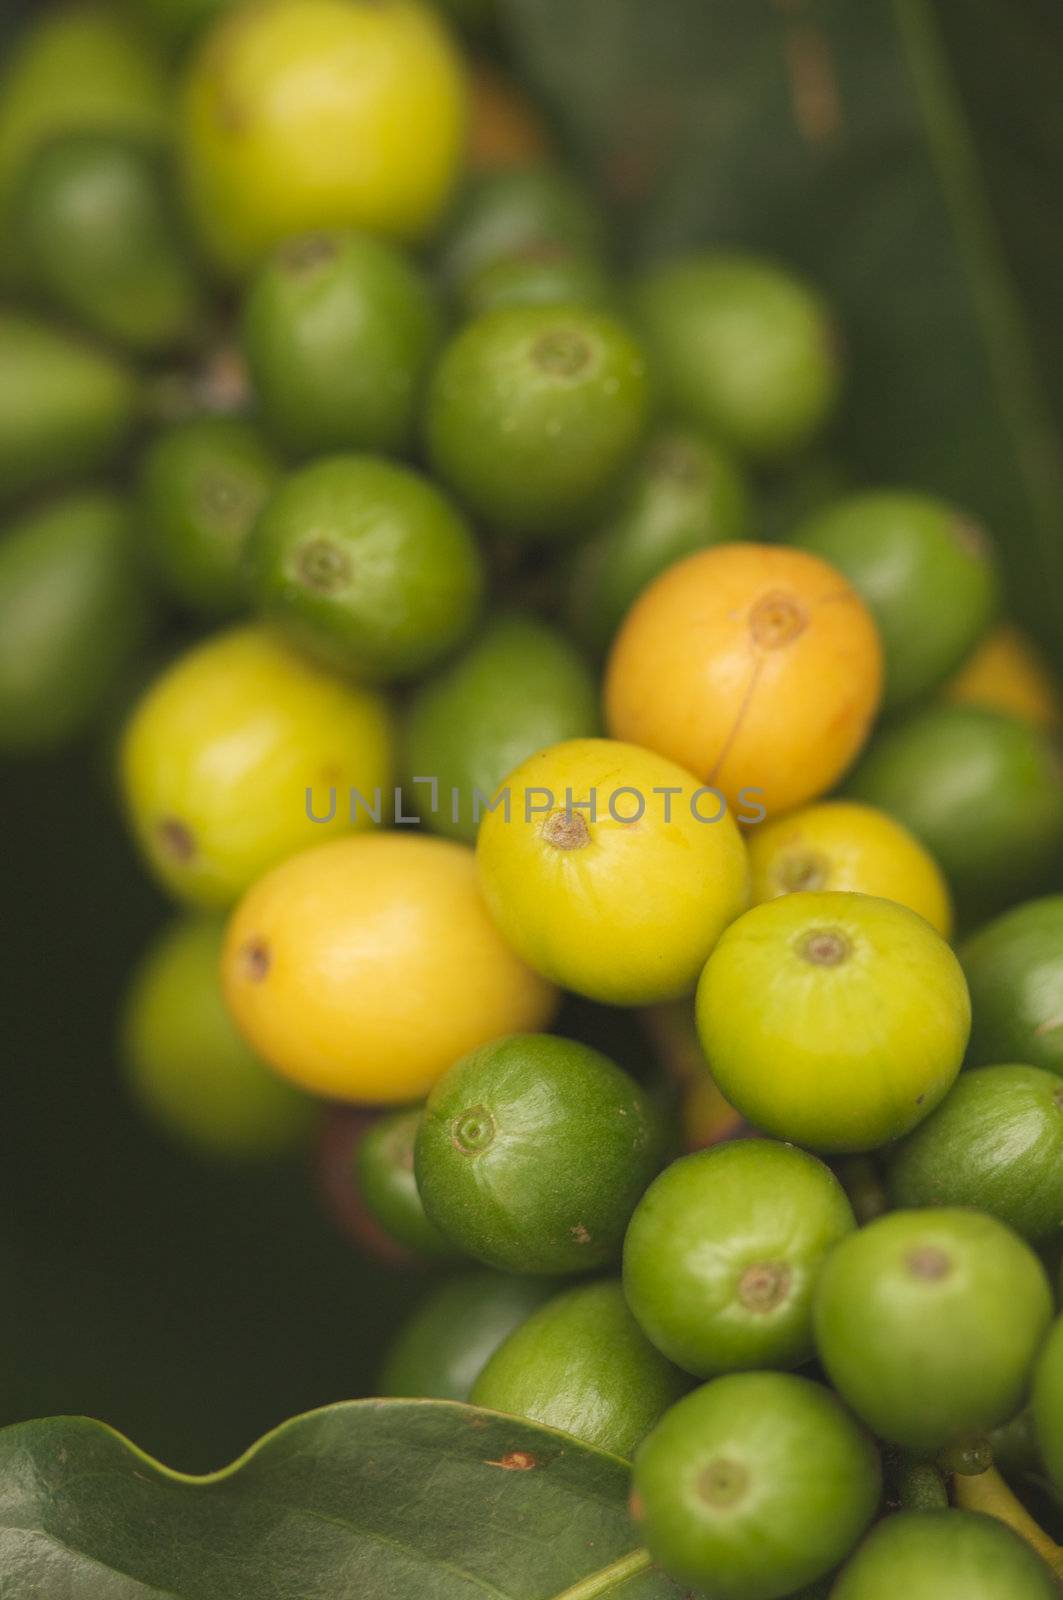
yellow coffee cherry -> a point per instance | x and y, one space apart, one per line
1008 673
362 970
299 115
841 844
622 903
231 753
836 1021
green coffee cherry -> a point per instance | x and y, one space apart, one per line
543 275
926 572
533 1151
994 1144
741 348
441 1350
76 67
928 1322
1014 970
202 486
367 567
581 1363
339 330
73 614
755 1485
95 225
189 1068
944 1555
684 493
500 215
66 407
1048 1404
336 1182
518 688
982 791
1014 1446
723 1253
384 1174
532 413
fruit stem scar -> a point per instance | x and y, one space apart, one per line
562 352
323 565
473 1130
928 1262
777 619
764 1286
567 830
802 870
255 960
723 1483
825 947
176 839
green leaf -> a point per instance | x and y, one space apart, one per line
369 1500
907 155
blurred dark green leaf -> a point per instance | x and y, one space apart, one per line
908 156
377 1500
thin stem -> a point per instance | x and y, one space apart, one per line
990 1494
610 1577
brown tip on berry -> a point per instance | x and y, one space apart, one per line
803 869
255 960
776 620
723 1483
929 1263
566 830
176 839
562 352
764 1286
826 947
322 565
473 1130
